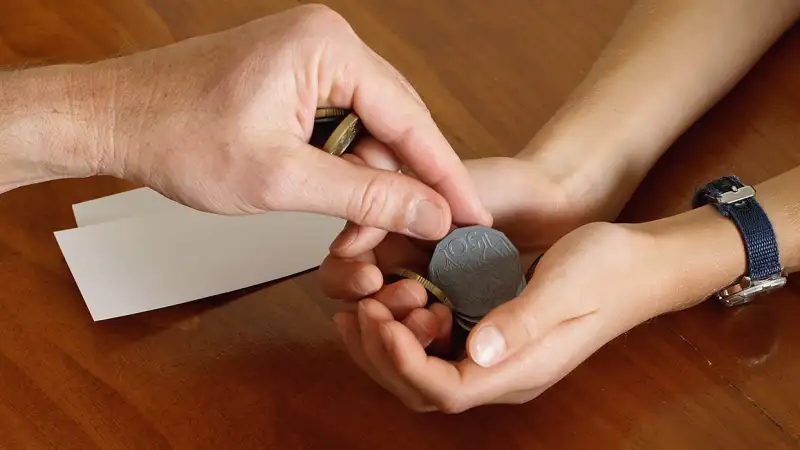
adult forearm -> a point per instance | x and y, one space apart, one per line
46 126
669 62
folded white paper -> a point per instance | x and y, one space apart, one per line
138 251
135 203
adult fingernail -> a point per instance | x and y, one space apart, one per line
487 217
487 346
426 219
362 284
421 331
408 292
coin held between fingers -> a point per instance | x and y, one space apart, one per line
335 130
434 293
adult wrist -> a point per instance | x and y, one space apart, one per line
46 126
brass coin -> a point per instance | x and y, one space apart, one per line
529 274
430 287
468 320
344 135
464 324
323 113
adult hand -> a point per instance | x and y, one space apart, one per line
221 123
592 285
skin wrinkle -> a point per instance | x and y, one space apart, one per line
395 138
287 176
236 91
302 82
117 152
341 87
25 124
320 77
99 134
371 199
146 109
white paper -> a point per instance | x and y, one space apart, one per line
139 251
134 203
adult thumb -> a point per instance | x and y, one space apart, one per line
314 181
508 328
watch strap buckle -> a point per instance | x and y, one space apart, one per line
747 289
736 201
737 195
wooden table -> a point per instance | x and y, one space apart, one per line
264 368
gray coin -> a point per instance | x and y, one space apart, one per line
478 269
476 320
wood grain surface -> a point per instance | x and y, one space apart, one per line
264 368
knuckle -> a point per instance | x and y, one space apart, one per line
320 20
416 405
404 369
403 134
370 203
450 404
407 369
277 181
529 324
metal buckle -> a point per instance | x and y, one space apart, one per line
745 290
737 194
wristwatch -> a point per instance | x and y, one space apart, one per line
737 202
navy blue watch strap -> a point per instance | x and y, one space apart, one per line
728 195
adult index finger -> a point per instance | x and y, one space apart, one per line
395 117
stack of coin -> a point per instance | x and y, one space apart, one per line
472 271
335 130
478 269
532 268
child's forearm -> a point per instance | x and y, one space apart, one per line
705 252
669 62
